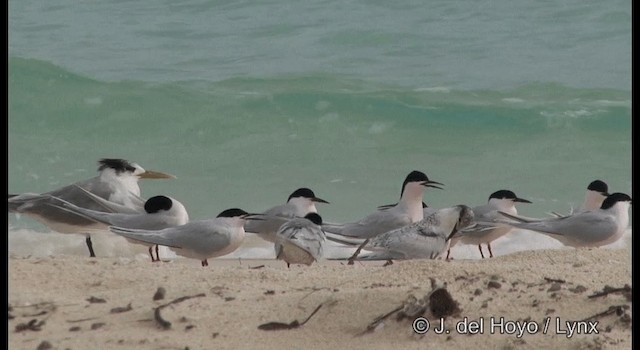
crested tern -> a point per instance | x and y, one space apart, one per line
117 182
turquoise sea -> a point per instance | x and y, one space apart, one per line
246 101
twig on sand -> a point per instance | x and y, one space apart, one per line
164 324
276 326
554 280
374 324
33 325
120 309
608 290
614 309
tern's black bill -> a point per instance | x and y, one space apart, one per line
319 200
521 200
431 184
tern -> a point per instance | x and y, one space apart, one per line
502 200
300 240
160 212
597 191
425 239
590 228
301 202
426 210
199 239
116 182
407 211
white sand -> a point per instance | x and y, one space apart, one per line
237 299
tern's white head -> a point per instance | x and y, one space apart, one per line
304 200
505 200
167 206
618 204
236 218
412 193
123 177
597 191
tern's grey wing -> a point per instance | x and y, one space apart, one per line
267 224
38 203
416 241
587 227
113 207
372 225
304 235
99 188
146 221
161 237
271 221
22 202
197 236
97 216
487 220
285 210
520 218
484 211
75 193
42 208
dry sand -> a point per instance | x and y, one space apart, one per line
75 302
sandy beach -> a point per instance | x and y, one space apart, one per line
533 298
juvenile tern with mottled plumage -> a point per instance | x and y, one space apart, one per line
425 239
300 240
